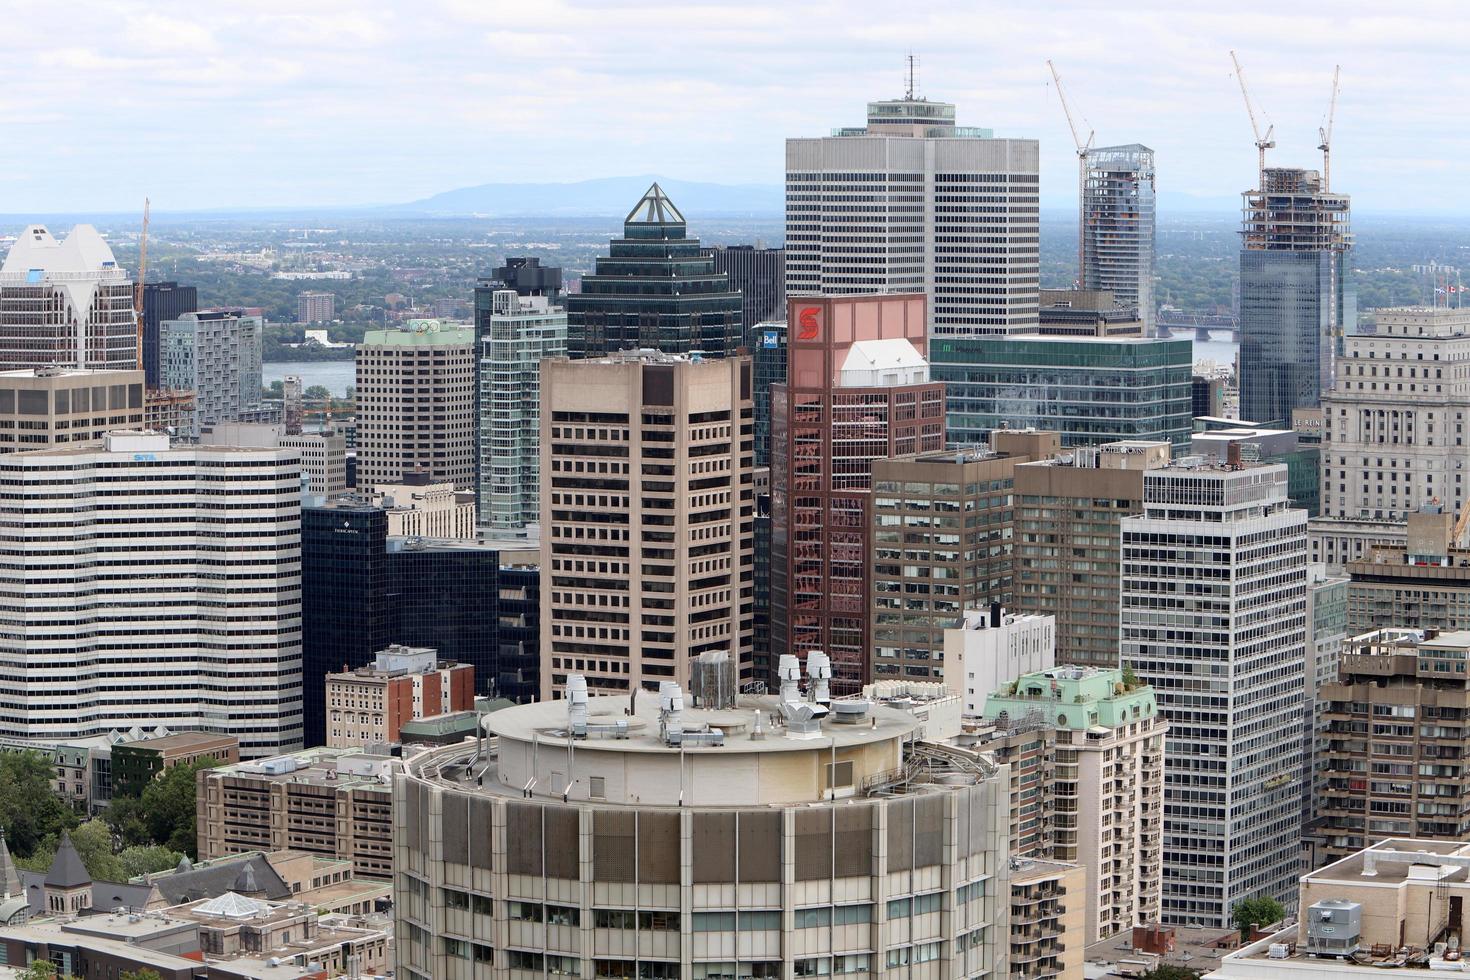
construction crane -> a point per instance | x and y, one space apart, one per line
1326 132
1083 146
1263 143
142 275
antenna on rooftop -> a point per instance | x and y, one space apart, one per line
911 83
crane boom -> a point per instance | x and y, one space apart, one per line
142 275
1082 148
1263 143
1326 132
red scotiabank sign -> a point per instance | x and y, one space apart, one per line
807 320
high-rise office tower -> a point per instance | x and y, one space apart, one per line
768 351
647 518
515 334
655 290
1214 616
66 303
1068 511
912 203
758 275
1296 295
416 404
362 590
1394 423
55 406
940 542
1090 389
217 355
1118 226
858 391
315 307
162 301
148 611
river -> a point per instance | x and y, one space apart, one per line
335 376
338 376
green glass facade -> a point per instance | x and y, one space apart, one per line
655 290
1091 390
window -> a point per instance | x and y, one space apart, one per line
926 952
927 903
566 966
814 918
760 919
899 908
523 912
819 966
563 915
851 963
662 921
898 957
839 774
846 915
522 960
714 921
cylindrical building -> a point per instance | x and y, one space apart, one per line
744 841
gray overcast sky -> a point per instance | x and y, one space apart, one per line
328 102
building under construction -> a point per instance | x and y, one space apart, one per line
1296 297
1118 226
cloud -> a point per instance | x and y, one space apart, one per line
278 102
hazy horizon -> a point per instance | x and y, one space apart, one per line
267 104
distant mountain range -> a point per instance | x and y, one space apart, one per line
605 196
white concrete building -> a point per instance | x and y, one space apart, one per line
1214 617
913 203
521 332
217 355
323 454
1394 423
66 303
991 648
167 592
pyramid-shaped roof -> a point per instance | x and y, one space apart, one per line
654 208
233 906
67 870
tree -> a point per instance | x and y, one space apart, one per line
1168 971
317 393
128 820
44 970
168 807
29 808
1262 910
93 841
137 861
144 974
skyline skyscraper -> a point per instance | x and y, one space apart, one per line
647 518
759 275
416 404
913 203
1213 616
858 390
655 290
515 334
1296 294
216 354
1118 227
66 303
178 603
162 301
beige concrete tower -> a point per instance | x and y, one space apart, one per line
416 404
647 517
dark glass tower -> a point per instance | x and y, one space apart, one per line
758 275
654 289
162 301
1296 295
768 351
346 612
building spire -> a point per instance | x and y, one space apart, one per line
10 884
